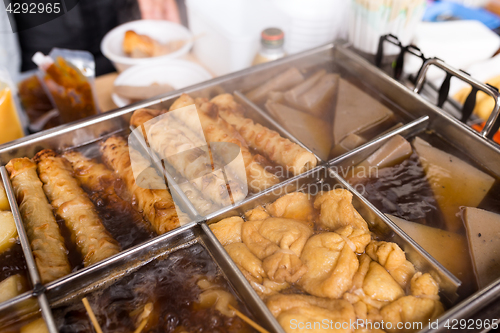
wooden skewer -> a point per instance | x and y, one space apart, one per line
141 326
248 320
91 314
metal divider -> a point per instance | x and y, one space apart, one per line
236 277
242 99
450 282
38 288
411 128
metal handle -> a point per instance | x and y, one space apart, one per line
493 121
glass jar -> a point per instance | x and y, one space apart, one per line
272 40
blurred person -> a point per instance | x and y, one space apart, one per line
160 10
84 26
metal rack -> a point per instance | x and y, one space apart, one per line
418 113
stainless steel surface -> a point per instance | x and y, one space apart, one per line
495 114
480 306
109 271
485 152
18 309
265 119
334 57
357 155
323 178
28 255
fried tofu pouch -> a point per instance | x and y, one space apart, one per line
46 241
157 206
278 243
290 310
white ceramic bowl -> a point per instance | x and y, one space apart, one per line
161 31
175 72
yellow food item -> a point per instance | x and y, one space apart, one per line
449 248
228 231
4 201
411 309
11 287
337 210
37 326
8 231
484 103
331 265
392 257
10 125
454 182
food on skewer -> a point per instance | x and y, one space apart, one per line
156 205
217 129
269 143
73 205
187 153
202 205
46 241
108 191
147 177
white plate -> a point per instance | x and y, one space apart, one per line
161 31
177 73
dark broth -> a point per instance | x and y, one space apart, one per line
125 225
399 115
403 191
170 284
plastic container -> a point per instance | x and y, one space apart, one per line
174 72
68 77
371 19
161 31
313 23
228 31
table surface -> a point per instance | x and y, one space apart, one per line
104 85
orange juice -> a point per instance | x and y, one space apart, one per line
10 125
